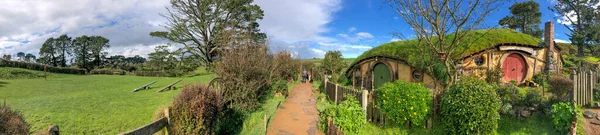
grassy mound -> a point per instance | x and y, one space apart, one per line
18 73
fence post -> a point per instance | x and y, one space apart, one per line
336 93
591 88
574 78
365 96
168 115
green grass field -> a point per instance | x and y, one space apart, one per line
89 104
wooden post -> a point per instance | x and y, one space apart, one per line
265 120
336 93
365 96
45 76
574 78
168 116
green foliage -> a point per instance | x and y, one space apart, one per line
541 79
402 101
533 97
284 66
55 51
88 51
508 94
348 115
526 17
333 63
194 111
585 30
470 107
596 93
494 76
12 122
563 115
17 73
108 71
560 87
40 67
154 73
280 86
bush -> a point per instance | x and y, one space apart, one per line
470 106
280 86
245 71
541 79
348 115
40 67
563 115
108 71
284 66
12 122
508 94
153 73
17 73
194 111
533 97
560 87
402 101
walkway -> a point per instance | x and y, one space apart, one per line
298 115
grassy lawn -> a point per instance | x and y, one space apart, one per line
254 123
89 104
535 125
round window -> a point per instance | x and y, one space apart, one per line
479 60
416 75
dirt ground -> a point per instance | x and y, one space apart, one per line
298 115
591 129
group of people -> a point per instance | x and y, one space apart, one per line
306 76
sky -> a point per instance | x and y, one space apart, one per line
306 28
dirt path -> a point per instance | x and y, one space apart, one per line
298 115
589 128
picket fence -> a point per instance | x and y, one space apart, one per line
367 100
583 86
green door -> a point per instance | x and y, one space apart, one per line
381 75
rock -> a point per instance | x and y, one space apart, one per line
53 130
525 113
589 114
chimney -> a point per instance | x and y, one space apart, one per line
549 35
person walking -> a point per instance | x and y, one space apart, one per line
304 76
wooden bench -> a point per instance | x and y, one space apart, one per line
147 86
169 86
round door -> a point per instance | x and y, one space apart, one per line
514 68
381 75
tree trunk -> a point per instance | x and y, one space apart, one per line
580 50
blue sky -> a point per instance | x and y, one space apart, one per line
306 28
379 20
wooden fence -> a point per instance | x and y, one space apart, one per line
367 100
153 127
583 86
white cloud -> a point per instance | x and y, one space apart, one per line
364 35
352 29
347 48
27 24
570 18
561 41
395 39
297 20
357 37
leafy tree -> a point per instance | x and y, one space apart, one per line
582 18
63 45
432 21
98 43
48 52
526 17
21 56
333 63
198 24
30 57
7 56
82 51
162 58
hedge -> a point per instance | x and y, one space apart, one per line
40 67
108 71
154 73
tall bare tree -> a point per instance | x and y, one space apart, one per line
434 20
197 24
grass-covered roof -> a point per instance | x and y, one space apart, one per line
482 39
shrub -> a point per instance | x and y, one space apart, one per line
40 67
563 115
108 71
284 66
494 76
470 106
402 101
17 73
245 71
153 73
541 79
12 122
280 86
533 97
348 115
508 93
194 111
560 87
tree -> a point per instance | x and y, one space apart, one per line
48 52
333 63
21 56
432 21
30 57
198 24
82 51
63 45
99 44
7 57
526 17
580 17
162 58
